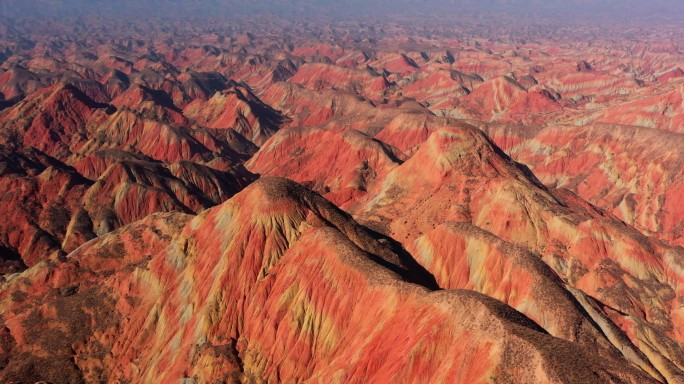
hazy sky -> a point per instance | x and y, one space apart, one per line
588 9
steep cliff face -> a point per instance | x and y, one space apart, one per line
274 285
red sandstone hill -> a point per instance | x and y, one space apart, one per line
457 175
633 172
51 207
134 156
144 237
353 160
504 99
267 313
237 108
325 76
151 103
590 250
